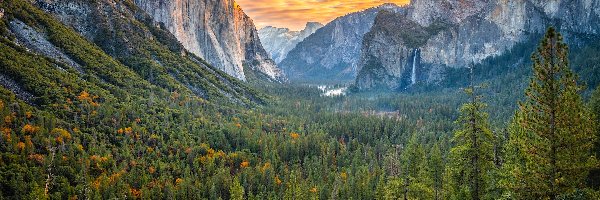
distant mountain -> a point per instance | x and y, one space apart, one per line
331 54
217 30
279 41
420 45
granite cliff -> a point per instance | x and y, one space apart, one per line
403 49
216 30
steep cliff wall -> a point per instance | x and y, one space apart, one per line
452 33
217 30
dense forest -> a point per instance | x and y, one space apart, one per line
117 130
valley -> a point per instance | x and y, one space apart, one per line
158 99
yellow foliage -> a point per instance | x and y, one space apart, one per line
178 181
61 134
7 120
313 190
294 135
344 176
265 167
150 150
79 147
1 104
128 130
245 164
277 180
28 114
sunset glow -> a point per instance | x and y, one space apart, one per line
294 14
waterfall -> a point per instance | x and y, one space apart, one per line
413 77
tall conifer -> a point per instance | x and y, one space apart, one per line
552 131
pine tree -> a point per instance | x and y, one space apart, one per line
472 155
552 130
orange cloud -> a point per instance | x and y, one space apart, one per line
294 14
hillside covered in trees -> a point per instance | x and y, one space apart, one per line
81 121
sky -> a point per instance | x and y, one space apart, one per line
294 14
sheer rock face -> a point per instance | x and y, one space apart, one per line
331 54
279 41
454 33
216 30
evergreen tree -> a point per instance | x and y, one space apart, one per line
472 155
436 170
594 178
236 191
416 180
552 130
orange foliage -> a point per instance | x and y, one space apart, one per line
138 120
1 104
29 129
188 150
277 180
120 131
37 158
294 135
21 146
245 164
238 125
59 140
28 114
7 120
151 169
313 190
28 142
136 193
85 96
7 134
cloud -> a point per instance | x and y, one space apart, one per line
294 14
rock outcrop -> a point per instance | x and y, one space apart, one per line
216 30
279 41
331 54
433 35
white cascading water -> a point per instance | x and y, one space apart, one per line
413 78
